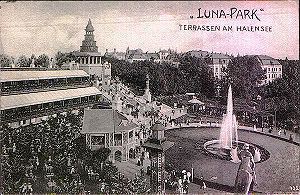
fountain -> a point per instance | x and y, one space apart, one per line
228 146
229 125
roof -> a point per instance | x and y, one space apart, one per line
158 127
89 26
219 56
267 60
199 54
195 101
21 100
146 56
105 121
86 54
37 75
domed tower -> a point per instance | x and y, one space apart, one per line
89 43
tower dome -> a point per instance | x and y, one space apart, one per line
89 27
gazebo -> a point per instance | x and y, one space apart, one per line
196 104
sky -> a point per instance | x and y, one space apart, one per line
47 27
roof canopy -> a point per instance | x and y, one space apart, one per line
105 121
195 101
37 75
15 101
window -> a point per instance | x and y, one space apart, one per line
98 140
268 69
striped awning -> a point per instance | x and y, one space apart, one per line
6 76
21 100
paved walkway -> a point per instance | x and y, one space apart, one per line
130 168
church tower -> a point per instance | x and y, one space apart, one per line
89 43
147 94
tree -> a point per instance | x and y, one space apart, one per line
23 61
244 73
42 61
193 74
62 58
101 154
283 94
5 60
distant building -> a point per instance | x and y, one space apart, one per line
199 53
271 66
110 129
32 96
218 62
138 55
115 54
89 58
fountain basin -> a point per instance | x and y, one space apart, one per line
230 154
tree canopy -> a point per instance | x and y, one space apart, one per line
193 75
5 60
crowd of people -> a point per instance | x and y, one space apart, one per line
52 157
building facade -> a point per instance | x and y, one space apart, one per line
32 96
217 62
157 57
271 66
108 128
115 54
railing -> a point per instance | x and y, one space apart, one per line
19 115
41 88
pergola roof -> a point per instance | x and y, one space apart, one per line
195 101
21 100
36 75
105 121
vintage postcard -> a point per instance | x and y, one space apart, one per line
149 97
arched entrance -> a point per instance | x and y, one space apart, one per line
118 156
131 153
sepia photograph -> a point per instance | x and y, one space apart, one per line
149 97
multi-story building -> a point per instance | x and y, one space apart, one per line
138 55
218 62
115 54
271 66
32 96
110 129
89 58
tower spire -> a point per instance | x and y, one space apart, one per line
89 43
